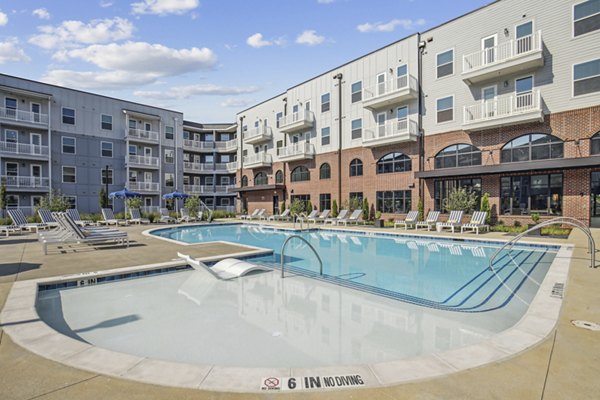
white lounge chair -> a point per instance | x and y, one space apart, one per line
477 222
109 218
74 214
165 217
411 219
185 216
430 221
251 216
284 216
354 218
47 218
334 220
313 214
136 217
18 219
259 215
453 221
321 218
8 229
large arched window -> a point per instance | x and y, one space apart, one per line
300 174
394 162
595 145
458 155
533 146
244 181
279 176
325 171
356 167
261 179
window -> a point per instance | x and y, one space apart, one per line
522 195
11 136
458 155
356 198
325 102
356 167
261 179
244 181
356 128
402 76
103 177
278 116
304 198
394 202
586 17
68 145
12 169
524 36
68 116
325 136
300 174
169 179
11 107
324 201
132 150
169 132
169 156
443 188
595 145
209 181
394 162
12 201
445 109
279 176
586 77
71 200
325 171
279 145
533 146
356 89
106 149
106 122
69 175
133 176
445 63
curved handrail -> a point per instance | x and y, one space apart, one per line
300 217
309 245
558 220
210 212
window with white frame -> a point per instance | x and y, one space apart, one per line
445 63
586 17
106 178
356 128
225 201
132 150
107 122
69 175
11 136
68 116
225 180
209 180
11 107
133 176
325 136
445 109
586 77
12 169
169 132
169 156
169 179
325 102
68 145
12 201
106 149
356 90
278 116
71 201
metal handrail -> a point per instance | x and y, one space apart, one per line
302 216
309 245
210 212
559 220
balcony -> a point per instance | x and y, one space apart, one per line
302 120
392 132
391 92
208 189
226 167
195 167
142 135
196 145
232 166
227 146
143 161
23 150
258 160
517 55
297 151
24 118
224 189
504 110
258 135
25 183
144 186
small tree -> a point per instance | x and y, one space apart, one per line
2 198
485 206
297 207
421 208
102 198
334 208
282 207
192 203
365 209
54 202
460 200
134 202
372 212
353 204
309 207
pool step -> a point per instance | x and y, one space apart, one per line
228 268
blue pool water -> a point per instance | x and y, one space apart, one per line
442 274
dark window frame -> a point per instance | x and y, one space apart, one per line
279 176
261 178
450 156
356 167
510 152
442 187
300 174
527 192
393 162
244 182
595 144
325 171
393 201
324 201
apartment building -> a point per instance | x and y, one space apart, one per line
55 138
504 100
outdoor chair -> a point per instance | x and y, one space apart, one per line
136 217
354 218
47 218
74 214
165 217
411 219
321 218
284 216
334 220
430 221
18 219
453 221
109 218
477 222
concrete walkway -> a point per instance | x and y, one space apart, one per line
564 366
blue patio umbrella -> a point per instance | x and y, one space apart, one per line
175 196
123 194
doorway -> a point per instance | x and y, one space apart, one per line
595 200
276 210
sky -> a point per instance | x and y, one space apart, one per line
207 59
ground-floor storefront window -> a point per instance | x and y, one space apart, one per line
394 202
523 195
443 188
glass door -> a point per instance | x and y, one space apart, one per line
381 124
595 200
36 143
380 84
488 45
524 34
488 96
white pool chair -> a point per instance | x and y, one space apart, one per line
430 221
109 218
165 217
47 218
74 214
313 214
321 218
8 229
185 216
284 216
136 217
453 221
411 219
18 219
477 222
254 213
354 218
333 220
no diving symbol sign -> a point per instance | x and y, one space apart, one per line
271 383
312 382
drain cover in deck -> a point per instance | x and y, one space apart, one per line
592 326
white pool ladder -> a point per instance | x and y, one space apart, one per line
309 245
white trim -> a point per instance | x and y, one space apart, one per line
62 144
532 20
453 63
6 167
34 196
495 86
147 148
321 102
31 103
111 122
573 80
62 115
494 47
573 22
72 196
31 170
62 176
12 98
453 109
112 149
532 76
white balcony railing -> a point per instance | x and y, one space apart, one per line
23 148
229 145
397 84
25 182
232 166
303 150
502 107
144 186
145 161
224 188
193 166
225 208
392 131
301 118
256 134
258 159
143 134
197 145
198 189
23 116
503 52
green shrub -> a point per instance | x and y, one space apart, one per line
54 201
485 206
334 209
378 215
535 217
5 221
192 203
309 207
134 202
152 216
517 224
365 209
460 199
92 217
297 207
223 214
421 209
102 198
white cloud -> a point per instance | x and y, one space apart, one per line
73 33
41 13
98 80
310 38
185 92
106 4
164 7
10 52
3 19
237 103
142 57
390 26
257 41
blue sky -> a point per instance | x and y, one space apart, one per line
208 59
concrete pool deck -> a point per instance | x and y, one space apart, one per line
565 365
